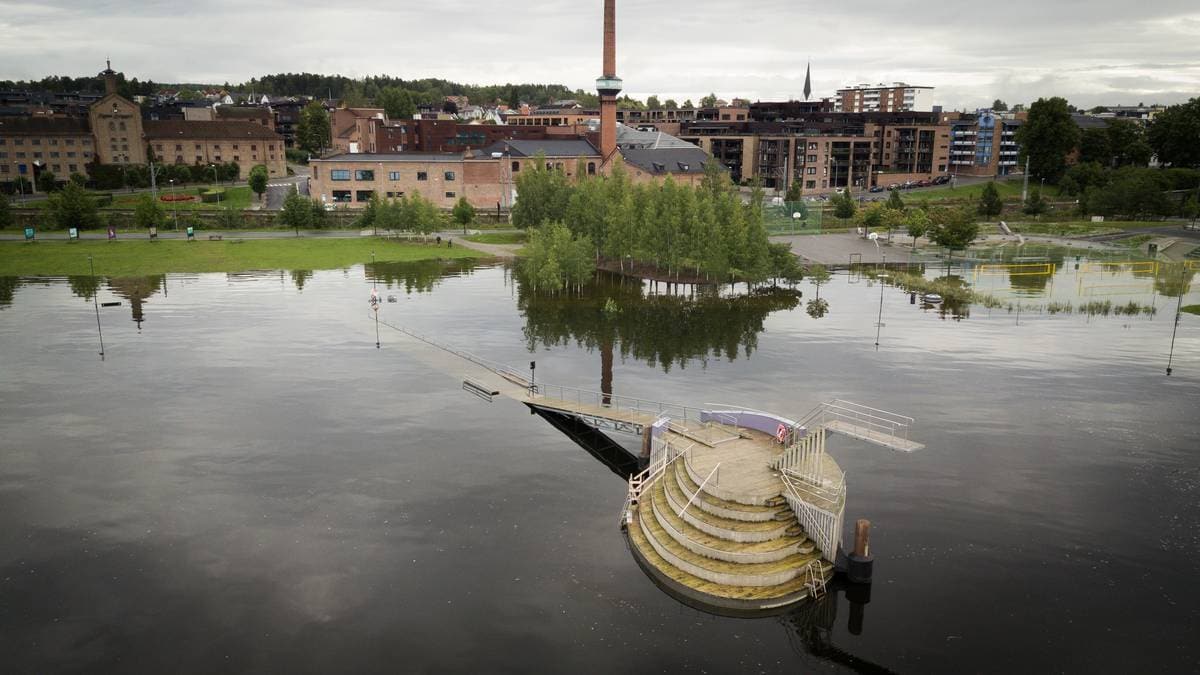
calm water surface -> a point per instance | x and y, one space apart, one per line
245 483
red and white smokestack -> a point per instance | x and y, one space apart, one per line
609 85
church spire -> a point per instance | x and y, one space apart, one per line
808 81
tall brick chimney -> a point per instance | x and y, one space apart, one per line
609 85
110 78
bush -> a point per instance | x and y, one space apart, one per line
212 196
102 199
296 156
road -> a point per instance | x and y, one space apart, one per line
280 188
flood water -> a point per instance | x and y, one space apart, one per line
245 483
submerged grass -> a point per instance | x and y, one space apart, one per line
131 258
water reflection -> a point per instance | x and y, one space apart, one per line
8 288
419 276
136 290
299 277
662 330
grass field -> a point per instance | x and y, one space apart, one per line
1008 189
498 238
131 258
237 197
1075 228
1192 309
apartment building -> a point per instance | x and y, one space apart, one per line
983 143
63 145
246 143
829 151
894 97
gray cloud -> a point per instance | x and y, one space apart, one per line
1090 52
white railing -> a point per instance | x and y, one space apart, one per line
715 472
823 526
815 579
505 371
582 397
662 455
874 419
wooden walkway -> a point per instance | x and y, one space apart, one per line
865 433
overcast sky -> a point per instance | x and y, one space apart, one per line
1094 52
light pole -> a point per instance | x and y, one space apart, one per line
879 321
174 206
216 183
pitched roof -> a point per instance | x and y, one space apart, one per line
551 148
217 130
664 161
391 157
628 137
49 126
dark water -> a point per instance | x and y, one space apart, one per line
245 483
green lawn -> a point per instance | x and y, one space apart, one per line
1075 228
1008 189
498 238
237 197
132 258
1192 309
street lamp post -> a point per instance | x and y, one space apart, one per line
174 206
879 321
216 183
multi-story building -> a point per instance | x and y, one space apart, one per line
828 151
246 143
29 145
894 97
983 143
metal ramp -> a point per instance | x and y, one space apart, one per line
865 423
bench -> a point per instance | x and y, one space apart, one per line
214 237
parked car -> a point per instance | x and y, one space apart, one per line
876 188
924 183
894 186
941 180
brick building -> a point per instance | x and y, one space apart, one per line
246 143
63 145
984 143
894 97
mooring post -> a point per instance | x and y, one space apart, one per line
647 436
860 564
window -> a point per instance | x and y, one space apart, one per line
393 175
112 126
199 159
449 175
812 158
217 158
516 166
810 184
421 175
197 146
58 168
53 141
339 174
53 155
363 195
20 155
254 147
37 141
3 168
70 153
3 155
341 196
87 141
449 195
364 174
178 148
393 195
812 146
591 168
179 159
73 167
121 126
235 146
237 158
316 172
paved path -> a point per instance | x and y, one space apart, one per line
494 250
836 249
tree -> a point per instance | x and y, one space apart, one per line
1127 141
78 179
229 218
312 132
464 213
652 103
147 213
953 228
46 181
1047 137
916 223
1173 132
1036 204
795 191
1189 211
688 105
990 203
709 101
1094 146
258 180
818 276
843 205
894 201
353 95
297 212
1134 192
999 106
542 195
73 207
670 104
397 103
6 214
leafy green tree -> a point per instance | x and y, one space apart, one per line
872 216
917 223
258 180
843 205
953 228
312 132
353 96
46 181
999 106
397 103
652 103
1133 192
894 201
73 207
795 191
1094 146
318 217
464 213
818 276
148 213
1189 211
229 218
709 101
990 203
670 104
542 194
1047 137
688 105
1036 205
297 212
6 214
1127 139
1173 132
78 179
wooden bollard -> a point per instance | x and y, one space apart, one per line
862 538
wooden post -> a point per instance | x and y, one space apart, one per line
862 538
647 436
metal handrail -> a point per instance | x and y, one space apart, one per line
700 488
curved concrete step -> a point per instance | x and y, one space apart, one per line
719 571
718 506
698 541
731 495
763 596
740 531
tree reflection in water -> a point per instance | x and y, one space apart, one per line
419 276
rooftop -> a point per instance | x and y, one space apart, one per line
667 160
44 126
392 157
223 129
550 148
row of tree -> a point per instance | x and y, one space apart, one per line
1050 136
951 227
671 228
